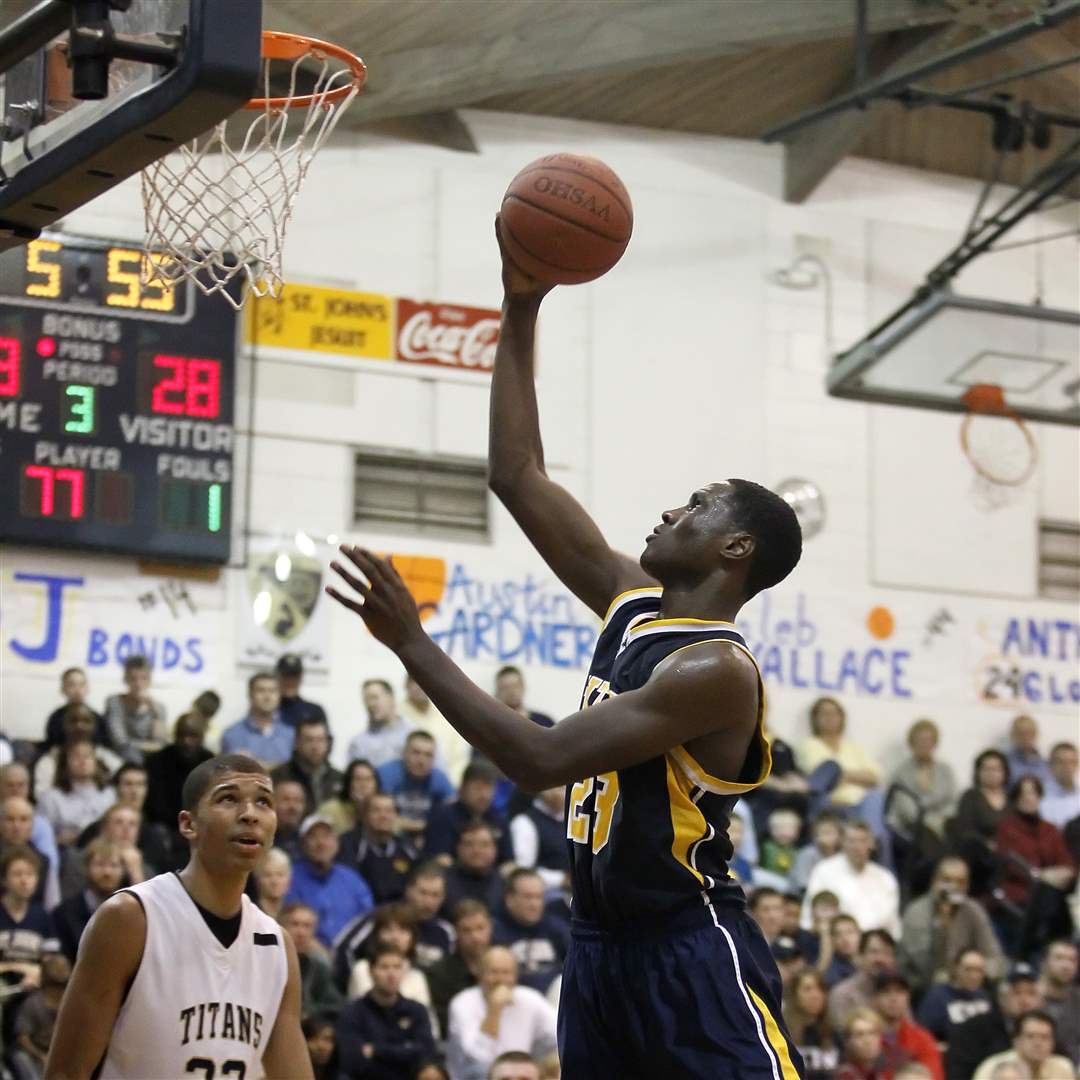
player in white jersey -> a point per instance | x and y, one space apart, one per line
183 975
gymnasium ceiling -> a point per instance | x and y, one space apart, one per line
721 67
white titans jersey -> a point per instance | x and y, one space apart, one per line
194 1007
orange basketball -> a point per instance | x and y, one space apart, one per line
566 219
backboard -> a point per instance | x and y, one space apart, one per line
72 126
928 354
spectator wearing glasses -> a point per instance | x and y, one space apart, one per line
1033 1049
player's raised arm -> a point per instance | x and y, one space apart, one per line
109 955
698 692
560 529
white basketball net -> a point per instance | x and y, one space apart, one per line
216 210
1003 459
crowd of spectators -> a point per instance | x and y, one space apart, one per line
427 898
920 930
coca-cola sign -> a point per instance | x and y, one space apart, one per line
448 335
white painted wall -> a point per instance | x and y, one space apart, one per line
683 365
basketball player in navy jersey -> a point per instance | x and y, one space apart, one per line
182 976
667 976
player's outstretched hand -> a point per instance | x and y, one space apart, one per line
387 608
515 281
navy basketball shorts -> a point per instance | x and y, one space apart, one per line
696 998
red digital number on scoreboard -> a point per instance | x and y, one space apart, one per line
49 492
10 365
187 387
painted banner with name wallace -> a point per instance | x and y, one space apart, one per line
446 335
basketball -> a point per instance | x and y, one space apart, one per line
566 219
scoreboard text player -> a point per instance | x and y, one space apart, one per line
116 404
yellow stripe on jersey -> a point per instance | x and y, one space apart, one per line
678 624
776 1039
626 595
688 824
699 777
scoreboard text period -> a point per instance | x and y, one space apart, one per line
116 405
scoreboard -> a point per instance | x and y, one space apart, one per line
116 404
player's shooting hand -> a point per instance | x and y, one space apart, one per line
387 606
515 281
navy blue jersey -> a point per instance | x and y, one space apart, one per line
650 839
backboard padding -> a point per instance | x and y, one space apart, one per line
79 152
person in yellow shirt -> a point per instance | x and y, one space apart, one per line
860 773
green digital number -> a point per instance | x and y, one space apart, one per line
81 408
213 508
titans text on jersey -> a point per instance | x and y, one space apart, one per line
237 1022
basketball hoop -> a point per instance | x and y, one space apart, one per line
999 445
219 206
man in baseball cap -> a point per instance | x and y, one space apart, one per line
334 892
972 1041
293 708
789 958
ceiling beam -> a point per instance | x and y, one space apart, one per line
811 153
606 39
1061 86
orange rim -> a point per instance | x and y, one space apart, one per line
988 399
282 46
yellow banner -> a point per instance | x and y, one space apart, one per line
323 320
